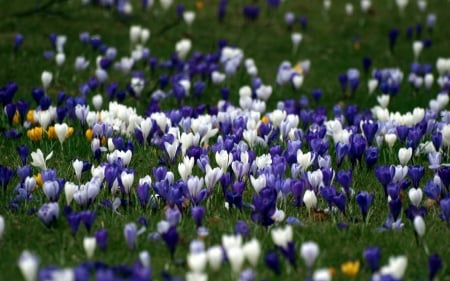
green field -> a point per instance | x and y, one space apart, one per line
332 41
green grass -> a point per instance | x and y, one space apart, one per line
327 42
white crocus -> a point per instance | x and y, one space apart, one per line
60 58
89 244
390 139
224 160
61 131
2 226
183 47
309 251
28 264
383 100
252 251
215 257
322 275
304 159
127 181
69 190
404 155
144 258
46 78
396 267
296 38
189 17
419 226
97 101
258 183
417 49
236 258
197 261
78 168
282 236
310 199
415 196
38 159
165 4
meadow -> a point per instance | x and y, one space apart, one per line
228 140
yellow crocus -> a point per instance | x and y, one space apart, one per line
16 117
70 132
51 133
89 134
35 134
38 178
199 5
30 116
350 268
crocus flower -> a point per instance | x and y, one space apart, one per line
434 265
350 268
48 213
273 262
28 264
364 200
101 238
6 174
89 244
309 251
393 35
215 257
38 159
2 226
18 41
445 209
130 232
372 255
169 235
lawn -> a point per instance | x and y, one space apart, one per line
247 171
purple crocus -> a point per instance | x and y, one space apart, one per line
143 194
273 262
242 229
434 265
444 175
48 213
130 232
251 12
357 147
101 237
384 175
18 41
372 154
393 35
6 174
364 200
416 173
445 209
88 217
344 178
372 255
170 236
264 206
73 219
198 212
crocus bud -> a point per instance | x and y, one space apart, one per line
310 199
215 257
28 265
419 226
252 251
2 226
46 78
189 17
309 252
89 244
